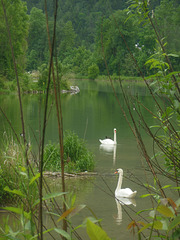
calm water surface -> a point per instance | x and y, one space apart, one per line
92 114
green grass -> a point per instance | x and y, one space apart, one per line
76 155
13 172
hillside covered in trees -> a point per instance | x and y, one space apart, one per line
81 26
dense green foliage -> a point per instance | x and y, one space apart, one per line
163 221
76 155
83 28
18 20
37 39
164 216
13 173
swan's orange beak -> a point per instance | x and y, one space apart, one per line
115 172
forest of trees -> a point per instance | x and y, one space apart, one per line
93 39
81 26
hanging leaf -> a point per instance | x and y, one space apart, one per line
157 225
71 212
92 219
173 204
66 213
34 178
178 202
166 186
54 214
14 191
49 196
165 223
152 213
134 224
164 201
165 211
145 227
36 235
10 238
144 210
73 199
173 55
23 169
24 174
177 188
155 126
146 195
174 223
76 210
63 233
141 223
95 232
176 104
18 211
131 224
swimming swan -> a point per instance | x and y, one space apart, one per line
123 193
108 140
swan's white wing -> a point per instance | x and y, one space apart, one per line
106 141
126 193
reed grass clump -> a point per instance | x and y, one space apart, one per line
13 173
76 155
9 159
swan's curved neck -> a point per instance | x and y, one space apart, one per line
115 136
119 181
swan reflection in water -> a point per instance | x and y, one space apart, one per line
123 196
108 149
108 145
122 201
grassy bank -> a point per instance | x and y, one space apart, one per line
13 167
34 82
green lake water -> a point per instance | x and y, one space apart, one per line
92 114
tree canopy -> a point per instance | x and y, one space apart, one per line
81 26
18 22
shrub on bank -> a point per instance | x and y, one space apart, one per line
93 71
76 155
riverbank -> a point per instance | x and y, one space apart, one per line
30 82
69 175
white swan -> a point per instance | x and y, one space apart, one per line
108 140
123 193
